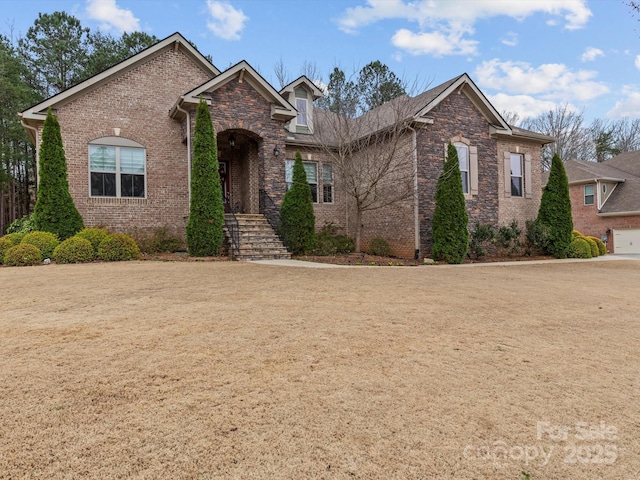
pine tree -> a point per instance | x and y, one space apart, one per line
298 220
555 209
54 211
206 212
450 235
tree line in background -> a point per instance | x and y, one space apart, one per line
578 140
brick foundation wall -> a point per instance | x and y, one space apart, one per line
137 102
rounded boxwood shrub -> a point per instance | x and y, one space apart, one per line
602 248
22 255
5 244
379 246
576 234
15 238
45 241
118 246
74 250
593 245
94 235
579 248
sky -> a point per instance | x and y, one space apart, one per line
527 56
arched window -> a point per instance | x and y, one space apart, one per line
117 168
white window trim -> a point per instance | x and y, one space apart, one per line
466 172
306 113
117 143
316 183
333 190
592 194
521 176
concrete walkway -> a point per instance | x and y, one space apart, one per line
307 264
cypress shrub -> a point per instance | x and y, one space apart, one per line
54 211
297 217
22 255
117 247
94 235
45 241
450 235
555 210
206 212
74 250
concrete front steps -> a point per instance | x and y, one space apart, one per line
257 239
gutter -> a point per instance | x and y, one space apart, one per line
416 206
620 214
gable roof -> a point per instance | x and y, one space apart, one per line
623 169
280 107
37 113
303 80
416 109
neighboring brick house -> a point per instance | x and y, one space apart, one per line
605 200
128 134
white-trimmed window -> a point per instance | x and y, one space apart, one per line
517 184
117 168
302 106
311 169
463 160
589 197
327 183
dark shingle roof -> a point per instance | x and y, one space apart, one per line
624 168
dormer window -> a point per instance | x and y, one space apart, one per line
301 106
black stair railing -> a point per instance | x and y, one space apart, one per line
233 227
271 212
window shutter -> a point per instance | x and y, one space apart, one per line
528 189
473 170
507 174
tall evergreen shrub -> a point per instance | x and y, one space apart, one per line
206 212
555 210
297 218
54 211
450 235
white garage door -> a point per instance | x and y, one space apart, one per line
626 241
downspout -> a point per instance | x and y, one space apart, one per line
35 135
188 149
416 206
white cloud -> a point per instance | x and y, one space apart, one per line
590 54
510 39
524 105
575 12
638 62
112 16
629 106
551 81
226 22
436 44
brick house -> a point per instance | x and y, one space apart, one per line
605 200
128 133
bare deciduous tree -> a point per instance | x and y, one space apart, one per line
573 141
372 152
282 73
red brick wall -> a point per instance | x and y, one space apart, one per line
137 102
587 221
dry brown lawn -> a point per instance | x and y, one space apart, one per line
151 370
